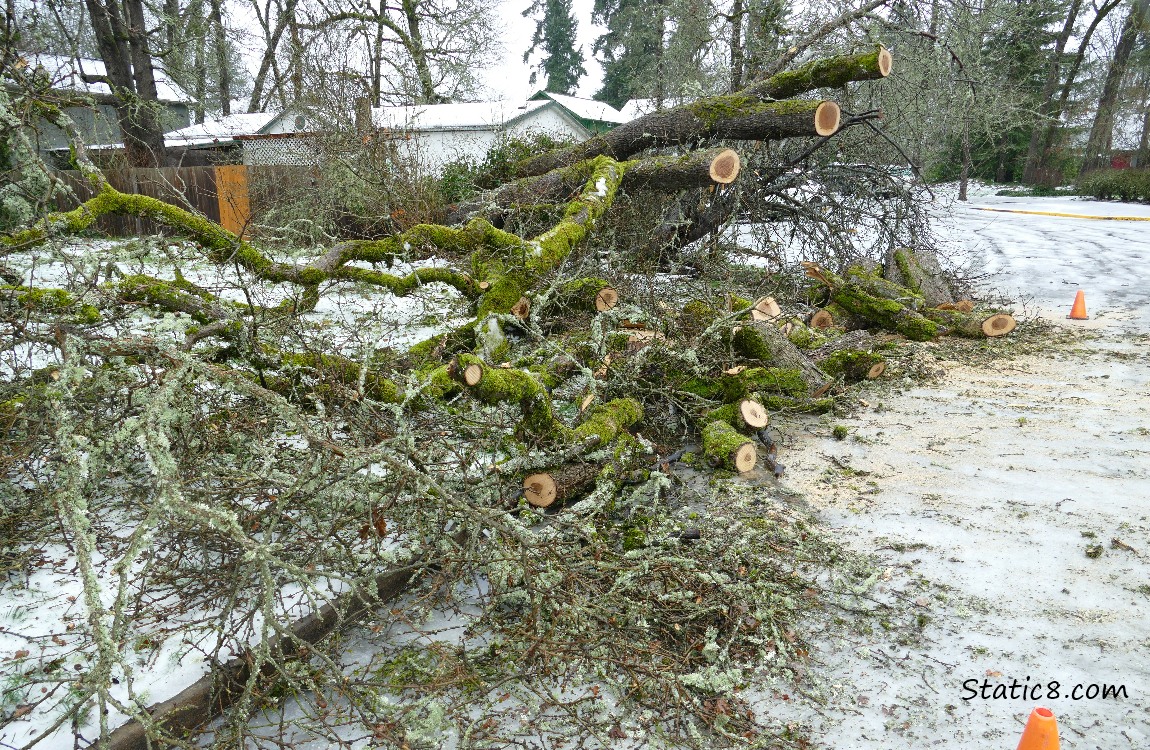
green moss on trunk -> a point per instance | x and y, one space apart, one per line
721 442
885 313
851 365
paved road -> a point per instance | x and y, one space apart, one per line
993 483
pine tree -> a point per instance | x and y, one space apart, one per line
562 62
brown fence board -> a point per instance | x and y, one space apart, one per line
229 195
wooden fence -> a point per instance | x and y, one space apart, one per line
220 193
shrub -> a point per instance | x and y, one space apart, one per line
1122 184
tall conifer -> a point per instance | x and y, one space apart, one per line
562 62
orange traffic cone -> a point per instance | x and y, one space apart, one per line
1078 311
1041 731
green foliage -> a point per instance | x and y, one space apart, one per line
457 182
1131 185
555 32
654 51
463 178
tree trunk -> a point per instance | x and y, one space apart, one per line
1048 137
763 341
736 46
920 273
1143 156
123 46
661 173
730 117
1047 106
1098 144
964 172
222 71
746 115
418 52
272 43
199 62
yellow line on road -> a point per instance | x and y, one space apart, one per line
1069 216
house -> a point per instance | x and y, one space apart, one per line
596 116
92 109
254 139
433 135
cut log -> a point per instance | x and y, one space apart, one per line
963 305
606 299
664 174
975 325
765 308
919 272
730 117
822 319
747 415
766 343
591 294
828 73
469 373
877 301
999 324
853 365
725 447
701 119
559 485
224 686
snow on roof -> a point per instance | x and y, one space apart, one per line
463 116
221 130
588 109
66 73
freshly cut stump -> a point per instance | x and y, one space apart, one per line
822 319
725 447
725 167
558 485
522 308
999 324
606 299
766 309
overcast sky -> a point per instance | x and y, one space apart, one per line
510 80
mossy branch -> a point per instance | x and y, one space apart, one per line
827 73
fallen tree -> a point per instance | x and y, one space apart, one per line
546 391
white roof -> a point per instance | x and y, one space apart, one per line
66 73
222 130
589 109
463 116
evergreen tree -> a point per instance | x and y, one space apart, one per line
660 49
632 49
555 33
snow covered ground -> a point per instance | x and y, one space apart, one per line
984 494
